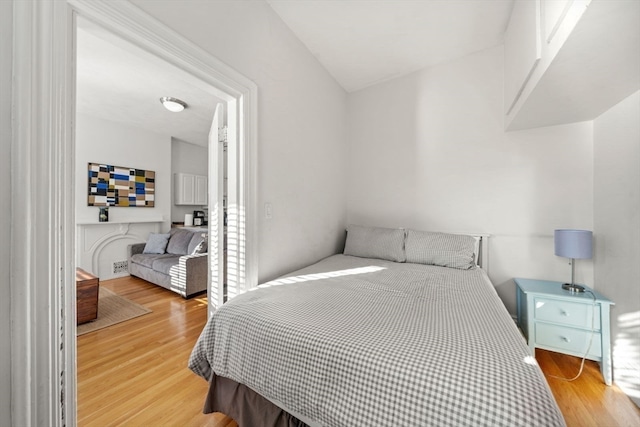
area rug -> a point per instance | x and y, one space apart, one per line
112 309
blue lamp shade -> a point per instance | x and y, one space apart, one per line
577 244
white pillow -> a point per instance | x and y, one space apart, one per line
445 250
196 245
201 248
375 242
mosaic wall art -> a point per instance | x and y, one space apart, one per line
118 186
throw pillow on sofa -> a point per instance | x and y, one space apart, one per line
156 243
198 244
179 242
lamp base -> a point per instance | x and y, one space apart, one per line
572 287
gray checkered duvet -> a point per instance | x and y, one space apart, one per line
362 342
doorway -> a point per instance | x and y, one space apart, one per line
121 123
43 90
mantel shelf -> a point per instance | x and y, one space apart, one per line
131 221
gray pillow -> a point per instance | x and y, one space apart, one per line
442 249
179 242
156 243
196 243
375 242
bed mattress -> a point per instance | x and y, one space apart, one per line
363 342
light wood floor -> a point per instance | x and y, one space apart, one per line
135 373
587 401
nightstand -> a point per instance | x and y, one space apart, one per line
557 320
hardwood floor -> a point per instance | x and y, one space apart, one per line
135 373
587 401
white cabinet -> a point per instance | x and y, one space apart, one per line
522 50
190 189
567 61
184 189
201 190
555 11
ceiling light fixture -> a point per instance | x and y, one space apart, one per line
173 104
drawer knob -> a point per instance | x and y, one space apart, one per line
565 339
564 313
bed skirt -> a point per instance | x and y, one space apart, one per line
245 406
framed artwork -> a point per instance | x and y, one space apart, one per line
119 186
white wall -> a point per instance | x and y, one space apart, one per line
428 151
187 158
107 142
6 40
302 116
617 231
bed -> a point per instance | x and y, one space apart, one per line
403 328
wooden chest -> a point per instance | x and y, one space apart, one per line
87 288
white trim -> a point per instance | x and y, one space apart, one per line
42 352
130 23
132 221
217 267
556 25
42 150
535 60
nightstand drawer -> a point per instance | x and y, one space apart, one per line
567 313
568 339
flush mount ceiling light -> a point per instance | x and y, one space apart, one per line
173 104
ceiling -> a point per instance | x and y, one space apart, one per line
360 43
365 42
116 81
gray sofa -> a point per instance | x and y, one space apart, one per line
180 267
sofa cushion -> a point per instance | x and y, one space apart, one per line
156 243
147 260
198 244
179 242
163 265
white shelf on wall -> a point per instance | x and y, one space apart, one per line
568 61
130 221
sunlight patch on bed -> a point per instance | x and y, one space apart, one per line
320 276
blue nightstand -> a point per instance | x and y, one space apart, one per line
557 320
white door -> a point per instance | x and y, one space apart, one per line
215 288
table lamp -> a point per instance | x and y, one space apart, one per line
574 244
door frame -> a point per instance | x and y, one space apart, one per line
43 341
216 244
